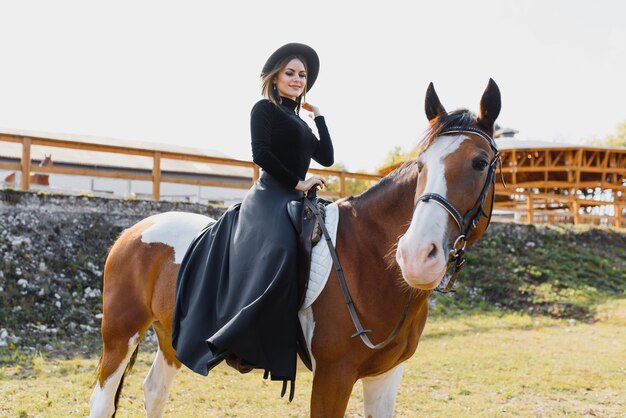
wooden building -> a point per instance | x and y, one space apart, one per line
561 183
552 182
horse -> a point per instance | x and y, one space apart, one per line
35 178
395 241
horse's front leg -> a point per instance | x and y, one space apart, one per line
379 393
332 386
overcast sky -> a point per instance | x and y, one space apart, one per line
186 72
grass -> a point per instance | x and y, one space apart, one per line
563 271
480 365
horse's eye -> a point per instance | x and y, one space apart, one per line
479 164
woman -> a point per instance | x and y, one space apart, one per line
236 295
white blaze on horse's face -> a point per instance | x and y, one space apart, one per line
422 250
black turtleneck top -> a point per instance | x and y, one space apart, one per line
283 144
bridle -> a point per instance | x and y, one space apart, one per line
466 225
468 222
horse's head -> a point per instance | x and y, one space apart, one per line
47 161
455 189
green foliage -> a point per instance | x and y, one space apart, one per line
397 155
353 186
561 271
618 139
12 189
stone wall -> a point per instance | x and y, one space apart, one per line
53 249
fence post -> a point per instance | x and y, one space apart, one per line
529 207
25 180
255 173
342 184
618 215
575 209
156 176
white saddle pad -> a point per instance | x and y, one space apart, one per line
321 261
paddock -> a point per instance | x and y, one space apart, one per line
517 366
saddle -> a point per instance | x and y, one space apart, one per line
309 233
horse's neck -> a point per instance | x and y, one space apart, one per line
378 218
41 179
387 210
370 226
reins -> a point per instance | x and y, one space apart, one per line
360 331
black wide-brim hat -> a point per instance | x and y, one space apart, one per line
306 52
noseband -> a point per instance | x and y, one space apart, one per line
468 222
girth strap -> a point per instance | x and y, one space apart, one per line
360 332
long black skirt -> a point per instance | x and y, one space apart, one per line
236 292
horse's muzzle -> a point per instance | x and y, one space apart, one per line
423 265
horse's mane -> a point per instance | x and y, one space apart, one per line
460 118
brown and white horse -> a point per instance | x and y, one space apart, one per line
35 178
389 239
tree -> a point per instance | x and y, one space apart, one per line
396 157
618 139
353 186
356 186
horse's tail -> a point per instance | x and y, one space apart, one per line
129 367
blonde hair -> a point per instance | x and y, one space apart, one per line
268 88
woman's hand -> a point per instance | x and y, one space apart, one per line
307 184
311 108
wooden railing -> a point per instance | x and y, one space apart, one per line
526 203
552 208
156 177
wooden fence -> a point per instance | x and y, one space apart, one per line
25 167
542 185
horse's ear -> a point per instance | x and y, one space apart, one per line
489 106
433 105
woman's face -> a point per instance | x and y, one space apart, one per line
291 79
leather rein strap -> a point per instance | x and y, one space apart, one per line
466 223
360 332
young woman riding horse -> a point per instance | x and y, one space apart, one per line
237 291
399 235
